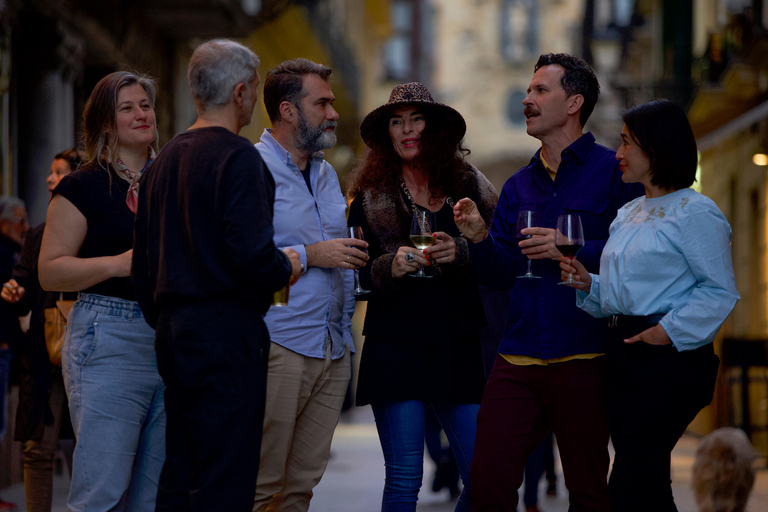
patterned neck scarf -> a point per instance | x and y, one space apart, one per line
132 177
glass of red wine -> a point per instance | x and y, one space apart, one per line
525 219
570 239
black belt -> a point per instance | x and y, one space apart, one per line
628 322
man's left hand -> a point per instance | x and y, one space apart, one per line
541 245
656 335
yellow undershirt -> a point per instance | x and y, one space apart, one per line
528 360
552 173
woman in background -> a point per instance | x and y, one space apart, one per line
110 369
42 417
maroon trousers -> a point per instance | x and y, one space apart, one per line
520 406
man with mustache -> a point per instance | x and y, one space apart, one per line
550 371
309 359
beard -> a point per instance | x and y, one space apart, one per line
314 138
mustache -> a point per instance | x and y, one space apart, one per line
529 111
329 124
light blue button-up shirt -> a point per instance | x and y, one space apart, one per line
321 301
671 255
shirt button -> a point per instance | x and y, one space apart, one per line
554 194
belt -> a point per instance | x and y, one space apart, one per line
627 321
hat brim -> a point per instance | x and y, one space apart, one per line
375 126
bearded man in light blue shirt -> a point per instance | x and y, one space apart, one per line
309 360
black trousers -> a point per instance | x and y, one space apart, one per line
655 392
213 358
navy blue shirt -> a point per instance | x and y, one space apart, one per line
543 320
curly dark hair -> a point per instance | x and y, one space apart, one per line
577 79
442 162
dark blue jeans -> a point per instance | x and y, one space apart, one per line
401 432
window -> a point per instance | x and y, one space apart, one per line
399 50
519 29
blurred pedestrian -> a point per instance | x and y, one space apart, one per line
422 345
110 372
550 371
13 229
666 281
204 269
42 416
309 361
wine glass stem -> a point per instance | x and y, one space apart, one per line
357 281
529 268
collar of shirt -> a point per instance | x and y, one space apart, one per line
285 156
578 148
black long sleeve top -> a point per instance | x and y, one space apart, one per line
204 225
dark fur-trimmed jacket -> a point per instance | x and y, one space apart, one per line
422 338
386 221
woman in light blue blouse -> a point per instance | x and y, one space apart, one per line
666 282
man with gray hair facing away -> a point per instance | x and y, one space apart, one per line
204 269
309 360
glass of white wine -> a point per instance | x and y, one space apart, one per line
422 228
357 232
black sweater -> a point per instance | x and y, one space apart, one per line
204 225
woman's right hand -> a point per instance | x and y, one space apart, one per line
400 266
580 275
12 292
469 221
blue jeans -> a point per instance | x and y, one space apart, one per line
401 432
116 402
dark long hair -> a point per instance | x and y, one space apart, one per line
441 159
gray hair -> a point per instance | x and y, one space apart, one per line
216 67
7 204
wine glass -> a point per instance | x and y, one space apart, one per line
570 239
357 232
526 219
422 227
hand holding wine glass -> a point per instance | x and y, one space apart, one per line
582 280
570 239
422 231
525 219
356 232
